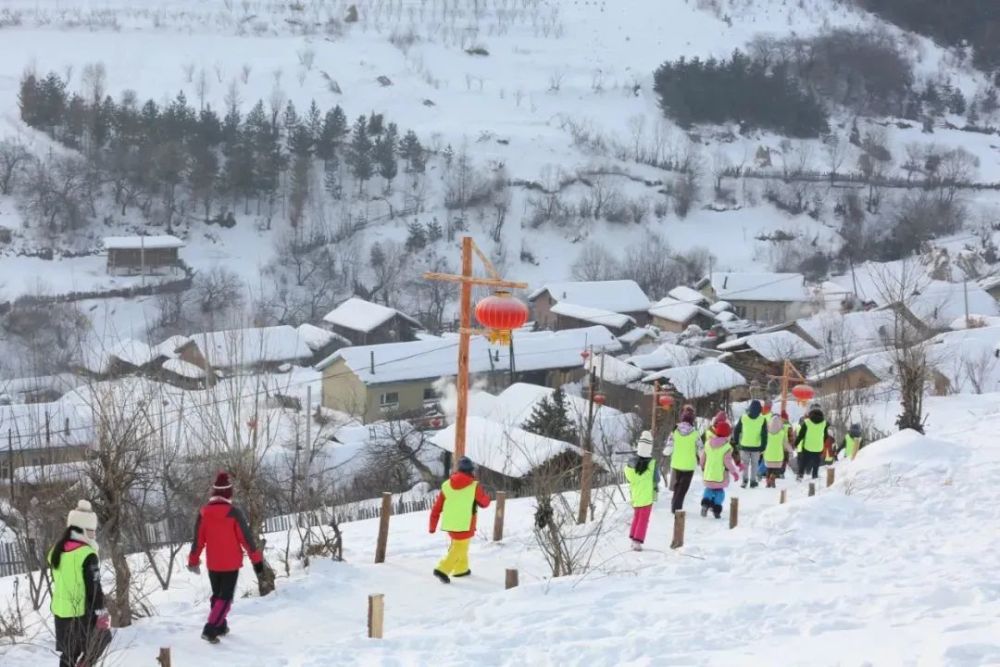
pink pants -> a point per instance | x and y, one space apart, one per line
640 522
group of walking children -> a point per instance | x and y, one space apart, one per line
760 446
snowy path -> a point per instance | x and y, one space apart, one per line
890 566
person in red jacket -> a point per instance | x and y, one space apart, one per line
460 497
223 532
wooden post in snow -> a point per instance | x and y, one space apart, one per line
383 527
734 512
678 540
164 657
498 516
510 579
783 498
376 615
812 489
831 474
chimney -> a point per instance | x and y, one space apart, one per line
371 362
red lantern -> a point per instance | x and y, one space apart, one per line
436 422
600 399
501 313
803 393
586 355
666 401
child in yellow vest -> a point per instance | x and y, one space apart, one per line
683 446
644 481
852 442
461 495
716 460
778 446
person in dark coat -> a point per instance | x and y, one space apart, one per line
223 532
83 627
813 433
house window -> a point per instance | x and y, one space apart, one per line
388 400
430 396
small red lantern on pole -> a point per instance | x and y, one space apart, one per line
803 393
600 399
501 313
666 401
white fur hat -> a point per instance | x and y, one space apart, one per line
82 516
644 448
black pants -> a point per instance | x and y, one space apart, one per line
809 463
223 591
682 482
79 642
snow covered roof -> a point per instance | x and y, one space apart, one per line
51 473
169 347
700 380
140 242
592 315
880 363
989 282
633 336
100 357
783 287
61 382
688 295
974 322
246 347
667 355
360 315
619 296
839 332
533 350
68 424
183 368
508 450
720 307
673 310
774 346
614 370
317 338
939 303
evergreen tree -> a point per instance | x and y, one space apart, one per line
990 102
957 102
385 155
314 121
360 155
550 418
300 141
332 134
375 124
434 231
411 151
417 239
331 178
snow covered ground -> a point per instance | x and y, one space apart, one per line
890 566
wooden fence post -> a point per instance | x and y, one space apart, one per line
783 498
586 475
164 657
498 516
734 512
510 580
678 541
831 474
376 615
812 489
383 527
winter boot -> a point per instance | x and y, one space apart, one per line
636 545
743 485
224 630
717 511
463 574
705 505
210 638
753 484
442 577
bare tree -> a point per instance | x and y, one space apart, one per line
14 158
595 262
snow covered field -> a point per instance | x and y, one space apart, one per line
890 566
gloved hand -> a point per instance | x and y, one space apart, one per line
258 567
103 620
736 476
194 569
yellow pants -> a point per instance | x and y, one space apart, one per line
456 561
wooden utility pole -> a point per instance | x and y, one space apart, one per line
587 470
498 516
383 527
466 280
164 657
510 579
734 512
678 539
788 373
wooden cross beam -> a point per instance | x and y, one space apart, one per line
788 372
466 280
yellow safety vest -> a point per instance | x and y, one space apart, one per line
685 456
852 446
642 486
775 450
815 433
715 462
70 590
456 517
750 435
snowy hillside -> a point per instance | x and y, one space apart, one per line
885 567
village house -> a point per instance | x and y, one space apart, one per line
709 386
43 434
639 337
573 316
767 298
131 255
119 358
374 382
623 297
863 374
761 356
508 458
669 314
992 286
365 323
267 348
323 343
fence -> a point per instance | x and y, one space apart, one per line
168 533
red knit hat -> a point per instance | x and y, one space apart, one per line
720 417
722 429
223 486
